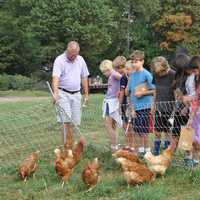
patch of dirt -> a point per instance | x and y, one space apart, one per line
23 98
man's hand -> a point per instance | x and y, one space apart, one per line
56 97
85 100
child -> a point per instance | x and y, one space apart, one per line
124 68
111 102
187 99
180 115
194 120
141 92
164 76
119 65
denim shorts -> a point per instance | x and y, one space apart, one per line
141 122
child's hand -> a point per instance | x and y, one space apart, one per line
184 111
189 124
120 110
133 113
186 99
139 94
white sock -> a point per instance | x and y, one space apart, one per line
148 149
141 149
189 156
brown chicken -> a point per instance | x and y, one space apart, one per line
28 166
65 162
135 173
128 154
90 174
134 170
78 151
159 164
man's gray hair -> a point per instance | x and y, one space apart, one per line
73 45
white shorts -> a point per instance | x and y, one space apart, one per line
111 108
69 107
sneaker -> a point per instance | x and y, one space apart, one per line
190 162
195 163
166 144
114 148
141 155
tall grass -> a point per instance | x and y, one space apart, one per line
31 125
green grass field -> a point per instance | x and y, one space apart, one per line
26 126
30 93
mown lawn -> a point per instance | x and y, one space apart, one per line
26 126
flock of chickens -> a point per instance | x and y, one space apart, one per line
135 171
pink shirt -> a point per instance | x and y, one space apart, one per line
113 85
196 101
70 73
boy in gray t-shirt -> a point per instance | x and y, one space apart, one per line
164 77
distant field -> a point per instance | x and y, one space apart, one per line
26 126
30 93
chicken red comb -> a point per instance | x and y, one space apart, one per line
82 140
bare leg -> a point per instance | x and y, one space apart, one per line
137 142
146 140
168 137
175 142
111 130
130 138
157 135
69 137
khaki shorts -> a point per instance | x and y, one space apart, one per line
69 107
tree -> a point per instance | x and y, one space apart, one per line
179 25
19 50
56 22
133 28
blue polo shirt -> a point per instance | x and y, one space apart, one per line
136 79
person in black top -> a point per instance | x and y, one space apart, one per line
125 68
164 77
181 114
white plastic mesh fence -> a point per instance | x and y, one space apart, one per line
30 126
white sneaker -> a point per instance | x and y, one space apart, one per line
114 148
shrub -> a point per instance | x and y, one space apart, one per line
15 82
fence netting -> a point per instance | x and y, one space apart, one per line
28 127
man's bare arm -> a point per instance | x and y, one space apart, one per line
85 88
55 85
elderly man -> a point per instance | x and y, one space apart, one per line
69 71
